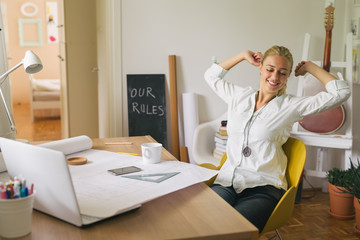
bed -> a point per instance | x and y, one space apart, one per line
44 95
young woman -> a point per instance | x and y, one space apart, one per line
253 178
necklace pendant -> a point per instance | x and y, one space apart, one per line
246 151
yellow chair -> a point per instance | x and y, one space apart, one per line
296 153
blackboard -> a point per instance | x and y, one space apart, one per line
146 106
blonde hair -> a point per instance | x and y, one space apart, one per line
279 51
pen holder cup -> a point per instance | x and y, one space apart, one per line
15 216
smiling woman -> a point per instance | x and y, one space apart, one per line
252 179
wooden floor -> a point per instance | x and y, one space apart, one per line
45 127
310 220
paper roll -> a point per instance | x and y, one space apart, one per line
191 120
70 145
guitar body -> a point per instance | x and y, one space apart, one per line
330 120
325 122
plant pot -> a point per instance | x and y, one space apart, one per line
357 214
341 204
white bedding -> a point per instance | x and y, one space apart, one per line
46 96
46 84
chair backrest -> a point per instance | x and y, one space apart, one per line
295 151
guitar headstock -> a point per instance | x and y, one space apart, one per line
329 18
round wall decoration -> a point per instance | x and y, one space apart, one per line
29 6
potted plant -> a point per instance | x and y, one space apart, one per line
354 189
341 201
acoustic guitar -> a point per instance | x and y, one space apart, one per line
331 120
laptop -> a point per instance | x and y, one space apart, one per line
47 169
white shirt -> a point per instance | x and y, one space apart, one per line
270 129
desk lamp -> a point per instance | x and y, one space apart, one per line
32 64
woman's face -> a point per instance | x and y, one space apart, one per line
274 74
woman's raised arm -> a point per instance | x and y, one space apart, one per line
309 67
251 57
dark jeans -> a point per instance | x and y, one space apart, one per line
255 204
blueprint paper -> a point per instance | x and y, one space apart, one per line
92 179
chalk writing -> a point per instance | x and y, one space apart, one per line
140 92
147 109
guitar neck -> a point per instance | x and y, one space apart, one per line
327 52
329 24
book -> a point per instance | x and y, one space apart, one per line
222 130
220 147
220 140
218 135
218 154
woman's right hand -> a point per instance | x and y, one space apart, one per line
249 56
253 58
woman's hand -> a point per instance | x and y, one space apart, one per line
249 56
300 69
309 67
253 58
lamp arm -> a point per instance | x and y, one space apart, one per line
13 128
10 71
2 79
32 64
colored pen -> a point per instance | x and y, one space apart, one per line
8 194
135 154
17 189
24 192
23 182
31 189
11 188
3 194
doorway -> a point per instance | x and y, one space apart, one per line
33 26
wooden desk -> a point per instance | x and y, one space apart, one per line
195 212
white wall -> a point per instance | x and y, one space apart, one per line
196 30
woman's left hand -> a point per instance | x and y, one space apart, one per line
309 67
300 69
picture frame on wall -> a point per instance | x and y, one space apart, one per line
30 32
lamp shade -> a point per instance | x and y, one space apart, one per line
32 63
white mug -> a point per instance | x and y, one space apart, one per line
151 152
